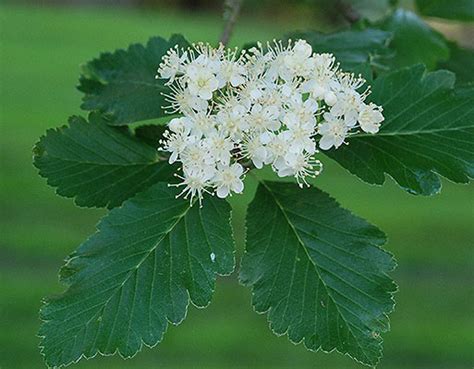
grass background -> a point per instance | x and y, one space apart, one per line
432 238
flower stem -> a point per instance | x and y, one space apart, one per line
231 12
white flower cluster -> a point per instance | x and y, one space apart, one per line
267 106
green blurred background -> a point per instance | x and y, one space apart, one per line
41 48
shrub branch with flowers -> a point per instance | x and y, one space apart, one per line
215 115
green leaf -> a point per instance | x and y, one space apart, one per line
428 130
148 259
96 164
318 271
150 134
351 48
460 62
462 10
414 41
122 85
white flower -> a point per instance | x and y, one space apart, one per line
208 58
300 138
202 82
228 178
275 60
271 97
182 101
231 72
176 143
291 91
299 62
172 65
257 62
263 119
219 147
333 132
322 80
304 112
180 125
370 117
301 124
300 166
195 182
195 154
277 147
260 107
201 123
347 106
232 120
349 100
330 98
254 150
251 91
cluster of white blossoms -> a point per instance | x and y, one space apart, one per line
268 106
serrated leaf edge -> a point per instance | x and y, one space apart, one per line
385 314
45 301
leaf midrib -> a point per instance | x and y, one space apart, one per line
315 267
110 164
159 86
410 133
120 286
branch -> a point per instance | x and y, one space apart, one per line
347 11
231 12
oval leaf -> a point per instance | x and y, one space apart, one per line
318 271
428 130
136 274
96 164
122 85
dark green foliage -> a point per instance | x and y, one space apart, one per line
122 85
148 259
414 41
96 164
318 271
428 131
461 62
351 48
151 134
461 10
